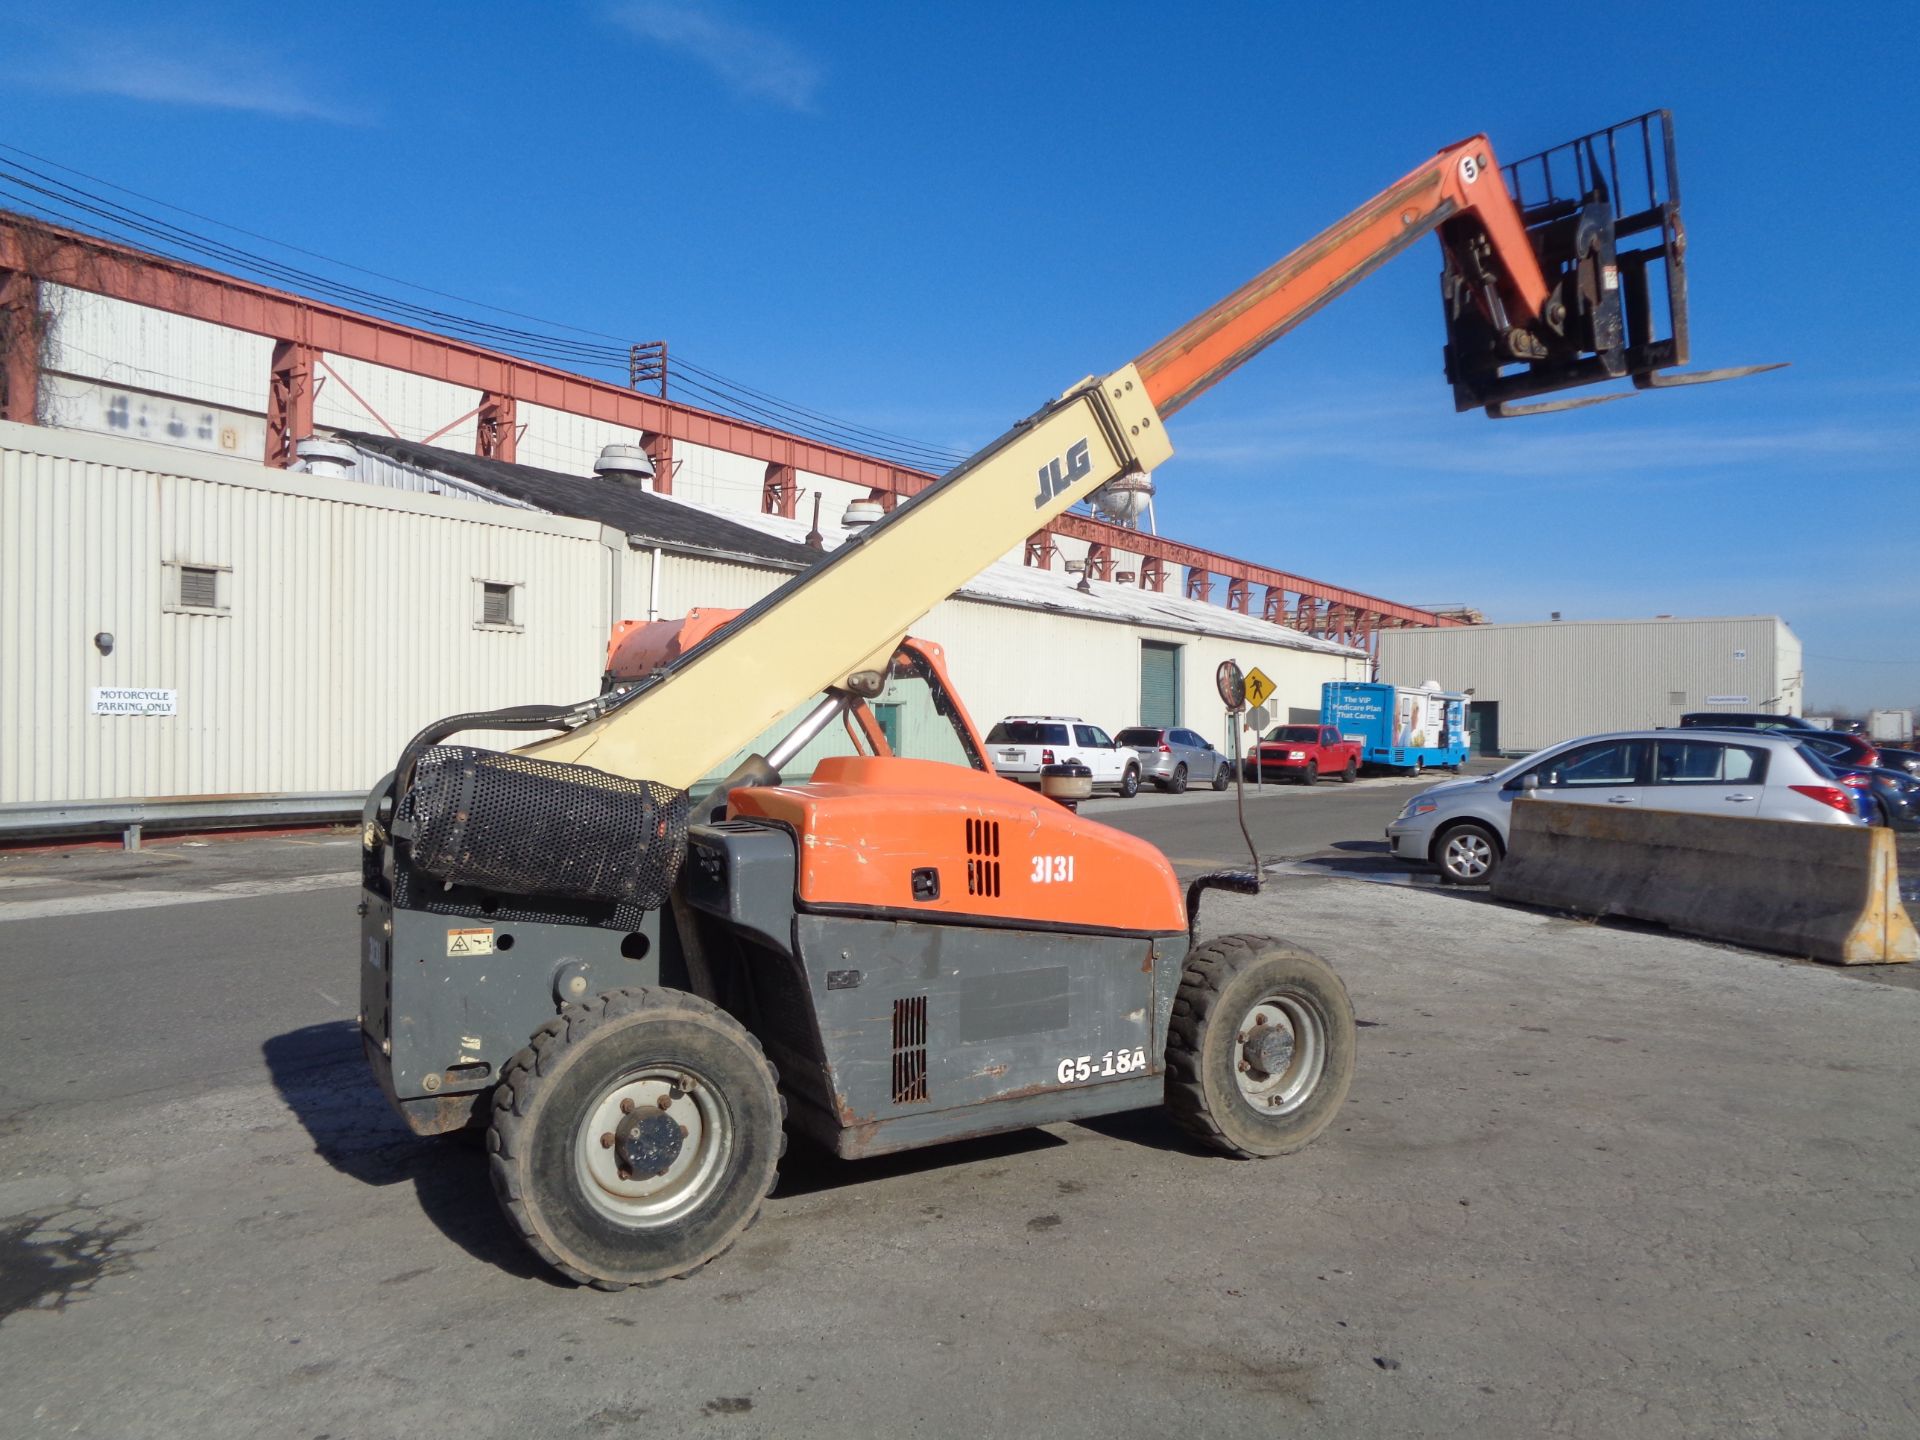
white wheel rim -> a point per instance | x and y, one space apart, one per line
686 1099
1278 1077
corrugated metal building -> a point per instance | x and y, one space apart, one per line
299 628
1536 684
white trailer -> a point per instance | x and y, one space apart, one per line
1890 727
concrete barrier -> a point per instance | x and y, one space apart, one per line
1829 892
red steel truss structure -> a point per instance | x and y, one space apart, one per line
305 331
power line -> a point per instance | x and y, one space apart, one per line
298 249
54 199
108 214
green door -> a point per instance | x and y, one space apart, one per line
1159 683
1483 727
888 716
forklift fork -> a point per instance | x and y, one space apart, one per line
1583 203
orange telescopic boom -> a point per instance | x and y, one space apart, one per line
1458 183
1539 294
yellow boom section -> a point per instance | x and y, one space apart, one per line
848 613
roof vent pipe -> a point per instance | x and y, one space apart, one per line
624 465
861 513
332 458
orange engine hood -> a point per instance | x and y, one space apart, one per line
1000 852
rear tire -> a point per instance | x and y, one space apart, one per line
1467 854
1311 775
1178 785
1223 777
1347 775
1130 783
1237 1094
594 1210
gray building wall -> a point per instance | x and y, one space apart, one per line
349 614
1558 679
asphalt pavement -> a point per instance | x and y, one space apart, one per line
1591 1180
1200 830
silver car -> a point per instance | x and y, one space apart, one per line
1171 757
1461 826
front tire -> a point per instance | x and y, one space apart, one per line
635 1137
1311 775
1178 785
1223 777
1467 854
1130 782
1260 1049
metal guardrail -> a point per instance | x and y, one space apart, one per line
52 820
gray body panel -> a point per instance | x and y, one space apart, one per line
998 1011
887 1032
891 1032
437 1026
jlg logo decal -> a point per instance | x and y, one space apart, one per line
1054 480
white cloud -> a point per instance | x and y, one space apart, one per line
158 70
751 62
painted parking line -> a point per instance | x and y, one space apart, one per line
100 902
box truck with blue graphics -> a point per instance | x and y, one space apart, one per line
1399 727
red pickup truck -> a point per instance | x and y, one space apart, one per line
1304 753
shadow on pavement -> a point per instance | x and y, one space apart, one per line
809 1169
1368 863
321 1074
1152 1127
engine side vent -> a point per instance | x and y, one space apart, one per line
910 1050
983 858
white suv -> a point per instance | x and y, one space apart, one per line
1020 744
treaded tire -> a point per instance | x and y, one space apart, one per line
1130 782
1347 775
1311 775
1178 785
1223 777
550 1090
1222 983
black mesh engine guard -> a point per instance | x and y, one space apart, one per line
535 827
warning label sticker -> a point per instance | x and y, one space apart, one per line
470 942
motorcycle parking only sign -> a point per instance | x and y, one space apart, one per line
115 701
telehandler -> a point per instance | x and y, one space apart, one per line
638 993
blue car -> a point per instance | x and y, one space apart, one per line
1888 797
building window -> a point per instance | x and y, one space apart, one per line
496 605
197 589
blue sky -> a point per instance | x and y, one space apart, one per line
928 219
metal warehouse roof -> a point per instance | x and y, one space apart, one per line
651 518
657 518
